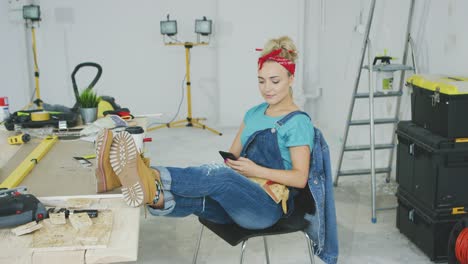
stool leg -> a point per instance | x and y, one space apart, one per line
311 249
267 255
244 245
194 261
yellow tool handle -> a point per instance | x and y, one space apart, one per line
90 156
19 139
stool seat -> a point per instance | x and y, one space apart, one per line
234 234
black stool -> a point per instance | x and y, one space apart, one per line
234 234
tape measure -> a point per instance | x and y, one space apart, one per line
19 139
40 116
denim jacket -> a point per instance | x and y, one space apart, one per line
322 229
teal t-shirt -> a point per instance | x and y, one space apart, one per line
297 131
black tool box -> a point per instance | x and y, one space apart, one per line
430 234
440 104
433 169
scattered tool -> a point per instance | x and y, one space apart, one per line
6 192
40 118
17 208
92 213
123 113
19 139
84 160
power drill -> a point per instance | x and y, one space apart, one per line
17 207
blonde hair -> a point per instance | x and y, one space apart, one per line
289 48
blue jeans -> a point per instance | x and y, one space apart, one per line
219 194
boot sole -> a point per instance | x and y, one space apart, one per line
123 159
101 142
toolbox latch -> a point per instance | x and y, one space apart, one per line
411 215
436 97
458 210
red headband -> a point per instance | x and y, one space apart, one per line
274 56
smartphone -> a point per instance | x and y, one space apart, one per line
227 155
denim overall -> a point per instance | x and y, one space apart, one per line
263 149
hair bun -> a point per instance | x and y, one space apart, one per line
286 44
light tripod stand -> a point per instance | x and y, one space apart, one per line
189 121
32 16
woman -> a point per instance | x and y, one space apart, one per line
274 144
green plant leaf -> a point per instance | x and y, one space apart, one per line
89 99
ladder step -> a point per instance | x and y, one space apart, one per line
376 121
389 67
367 147
379 94
363 171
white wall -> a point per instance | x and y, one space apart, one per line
143 74
123 36
243 26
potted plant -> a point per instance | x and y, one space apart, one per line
88 101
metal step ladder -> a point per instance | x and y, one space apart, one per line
372 121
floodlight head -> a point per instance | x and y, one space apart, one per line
168 27
32 12
203 26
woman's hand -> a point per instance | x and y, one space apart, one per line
244 166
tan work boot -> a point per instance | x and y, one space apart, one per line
138 180
106 178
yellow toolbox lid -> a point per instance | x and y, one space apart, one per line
451 85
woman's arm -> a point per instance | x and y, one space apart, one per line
296 177
236 146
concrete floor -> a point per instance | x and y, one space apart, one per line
172 240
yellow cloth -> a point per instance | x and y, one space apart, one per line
277 192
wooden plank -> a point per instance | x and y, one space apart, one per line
14 249
60 175
65 237
122 245
59 257
8 150
17 176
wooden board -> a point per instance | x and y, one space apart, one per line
7 149
122 241
65 237
59 257
58 174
